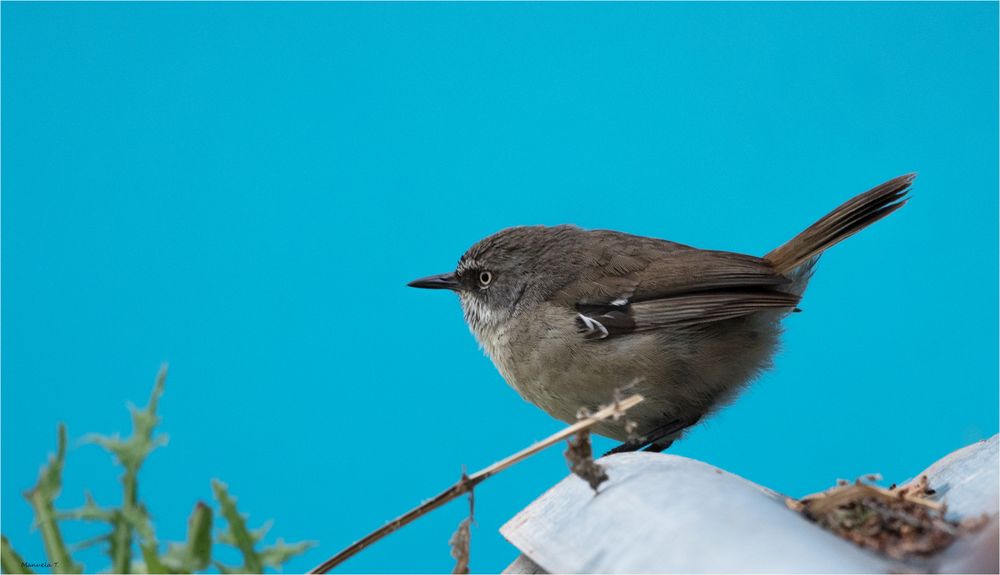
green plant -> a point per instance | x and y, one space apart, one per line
130 523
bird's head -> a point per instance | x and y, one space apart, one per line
508 272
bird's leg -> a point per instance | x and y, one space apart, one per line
631 445
656 434
657 439
658 446
662 438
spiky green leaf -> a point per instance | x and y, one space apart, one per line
237 530
227 569
280 552
42 497
88 543
196 553
132 517
132 452
10 560
131 521
90 511
199 539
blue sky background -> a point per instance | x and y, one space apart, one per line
243 190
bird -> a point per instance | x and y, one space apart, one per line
571 317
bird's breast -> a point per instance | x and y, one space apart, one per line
548 362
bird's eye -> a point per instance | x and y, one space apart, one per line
485 278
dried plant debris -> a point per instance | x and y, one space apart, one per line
617 398
462 536
580 456
899 522
632 428
460 546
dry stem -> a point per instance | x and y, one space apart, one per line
465 484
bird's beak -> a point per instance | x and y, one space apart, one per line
440 281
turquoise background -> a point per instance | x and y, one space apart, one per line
244 190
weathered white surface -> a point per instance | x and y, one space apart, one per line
524 566
664 513
968 482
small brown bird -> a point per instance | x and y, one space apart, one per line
569 315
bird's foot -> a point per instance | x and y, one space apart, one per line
659 439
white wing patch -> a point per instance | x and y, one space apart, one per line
592 327
620 302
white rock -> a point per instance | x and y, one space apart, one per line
663 513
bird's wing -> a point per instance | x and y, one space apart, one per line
681 287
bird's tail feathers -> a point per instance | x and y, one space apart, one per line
848 219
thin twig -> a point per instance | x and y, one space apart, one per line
465 484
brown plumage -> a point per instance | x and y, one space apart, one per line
569 315
848 219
